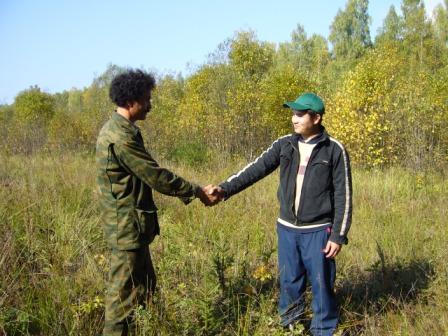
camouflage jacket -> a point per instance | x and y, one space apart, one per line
126 175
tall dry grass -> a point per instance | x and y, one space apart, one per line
216 266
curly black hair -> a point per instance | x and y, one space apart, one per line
130 86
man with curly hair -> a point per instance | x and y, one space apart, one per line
126 175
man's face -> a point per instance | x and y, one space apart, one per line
305 123
139 109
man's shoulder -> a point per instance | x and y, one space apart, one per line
113 132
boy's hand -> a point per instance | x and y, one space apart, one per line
332 249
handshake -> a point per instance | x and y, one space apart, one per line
211 195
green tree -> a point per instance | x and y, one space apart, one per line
70 131
33 110
425 52
75 101
33 106
309 56
166 99
6 116
441 23
96 104
350 34
60 101
221 103
250 57
350 38
250 61
205 107
391 31
416 32
421 119
318 56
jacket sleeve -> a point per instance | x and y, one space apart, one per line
342 185
262 166
137 161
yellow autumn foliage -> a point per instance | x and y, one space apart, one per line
360 115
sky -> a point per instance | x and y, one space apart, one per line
59 45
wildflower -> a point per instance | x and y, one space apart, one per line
262 273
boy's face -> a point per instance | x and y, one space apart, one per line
305 123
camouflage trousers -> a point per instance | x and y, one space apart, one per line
131 280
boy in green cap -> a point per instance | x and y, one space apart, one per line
315 195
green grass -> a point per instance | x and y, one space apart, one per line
216 266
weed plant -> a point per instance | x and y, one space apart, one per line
216 267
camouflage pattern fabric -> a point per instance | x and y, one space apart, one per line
131 281
126 175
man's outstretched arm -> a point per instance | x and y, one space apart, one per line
140 163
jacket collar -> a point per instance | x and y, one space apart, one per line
322 137
125 123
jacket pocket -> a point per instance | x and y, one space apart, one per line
148 224
325 163
321 173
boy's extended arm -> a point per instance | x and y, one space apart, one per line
262 166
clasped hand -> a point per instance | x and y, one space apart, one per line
211 195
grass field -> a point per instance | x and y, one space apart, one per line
216 266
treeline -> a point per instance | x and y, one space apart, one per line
387 98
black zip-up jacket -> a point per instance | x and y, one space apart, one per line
327 187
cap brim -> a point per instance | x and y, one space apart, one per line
295 106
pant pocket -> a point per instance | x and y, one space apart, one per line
148 224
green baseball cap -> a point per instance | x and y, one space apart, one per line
307 101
